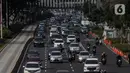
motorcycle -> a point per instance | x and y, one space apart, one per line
119 62
100 42
103 60
88 48
94 52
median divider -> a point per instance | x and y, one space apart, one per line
16 68
114 49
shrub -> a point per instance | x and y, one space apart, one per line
16 28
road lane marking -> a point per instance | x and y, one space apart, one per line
45 70
73 70
45 64
70 65
45 67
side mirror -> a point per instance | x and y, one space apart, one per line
23 66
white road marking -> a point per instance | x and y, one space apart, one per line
73 70
45 64
70 65
45 70
45 67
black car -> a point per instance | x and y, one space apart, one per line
38 41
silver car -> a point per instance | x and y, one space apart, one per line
74 47
83 55
56 56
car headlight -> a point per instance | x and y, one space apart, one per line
52 58
80 58
97 67
26 71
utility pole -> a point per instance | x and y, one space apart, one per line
1 31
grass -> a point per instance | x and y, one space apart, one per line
1 46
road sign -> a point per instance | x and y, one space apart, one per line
119 9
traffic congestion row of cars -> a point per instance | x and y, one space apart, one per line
64 31
34 62
65 35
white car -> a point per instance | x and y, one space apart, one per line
32 67
57 42
74 47
56 56
71 38
92 65
83 55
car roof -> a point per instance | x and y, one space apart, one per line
56 51
84 51
32 62
71 35
92 59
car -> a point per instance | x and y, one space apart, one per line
92 65
56 56
38 41
71 38
53 49
57 42
32 53
53 31
62 71
32 67
74 47
83 55
55 36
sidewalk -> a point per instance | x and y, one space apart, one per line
11 53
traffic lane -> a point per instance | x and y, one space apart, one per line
31 47
53 67
111 66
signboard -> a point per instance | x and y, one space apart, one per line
119 9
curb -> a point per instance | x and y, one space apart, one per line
109 47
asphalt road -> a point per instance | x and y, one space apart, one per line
111 66
76 67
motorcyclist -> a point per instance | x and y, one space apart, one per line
100 41
103 55
61 47
94 47
118 58
94 51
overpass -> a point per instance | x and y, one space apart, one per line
67 3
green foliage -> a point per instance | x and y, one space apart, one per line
98 31
123 47
6 33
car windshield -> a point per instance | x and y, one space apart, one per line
32 66
71 36
59 41
84 53
91 62
56 36
38 39
74 45
56 53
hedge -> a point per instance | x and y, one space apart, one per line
123 47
